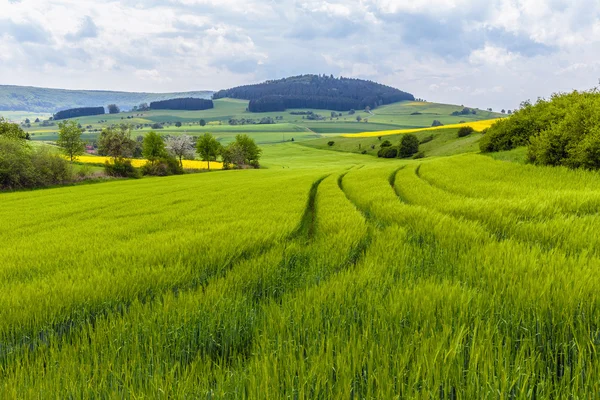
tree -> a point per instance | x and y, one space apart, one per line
143 107
116 142
153 148
27 121
69 139
242 152
178 124
180 146
503 111
409 145
113 109
208 148
358 118
202 122
12 131
37 120
351 112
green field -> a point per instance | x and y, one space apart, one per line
288 126
326 274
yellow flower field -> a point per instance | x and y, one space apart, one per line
136 162
477 125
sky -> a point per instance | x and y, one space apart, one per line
479 53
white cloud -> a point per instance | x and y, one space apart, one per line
492 55
500 52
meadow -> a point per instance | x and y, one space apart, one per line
288 126
323 275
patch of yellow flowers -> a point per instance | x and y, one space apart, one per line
477 125
136 162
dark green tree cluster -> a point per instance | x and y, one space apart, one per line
408 147
242 153
317 92
78 112
465 111
188 103
564 130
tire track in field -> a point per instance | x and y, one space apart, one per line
499 232
27 339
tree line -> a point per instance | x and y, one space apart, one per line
315 91
188 103
560 131
26 166
78 112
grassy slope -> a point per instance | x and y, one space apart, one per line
445 142
25 98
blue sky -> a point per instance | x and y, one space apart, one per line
479 53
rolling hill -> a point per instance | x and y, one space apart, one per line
35 99
315 91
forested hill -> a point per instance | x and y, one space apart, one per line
315 91
25 98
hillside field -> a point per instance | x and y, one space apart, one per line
323 275
392 117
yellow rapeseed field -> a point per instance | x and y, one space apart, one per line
136 162
477 125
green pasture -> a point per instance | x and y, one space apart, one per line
390 117
323 275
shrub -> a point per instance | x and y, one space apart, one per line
16 167
386 143
465 131
50 169
163 167
21 167
420 154
363 152
426 139
387 152
409 145
330 143
121 168
436 123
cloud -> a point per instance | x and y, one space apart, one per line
25 32
87 29
492 55
453 51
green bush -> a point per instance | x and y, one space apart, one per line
363 152
465 131
385 143
163 167
436 123
50 169
330 143
409 145
427 139
387 152
21 167
16 167
420 154
121 168
532 119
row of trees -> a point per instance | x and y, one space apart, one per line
78 112
172 104
561 131
188 103
317 92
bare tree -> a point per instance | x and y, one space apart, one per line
181 146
